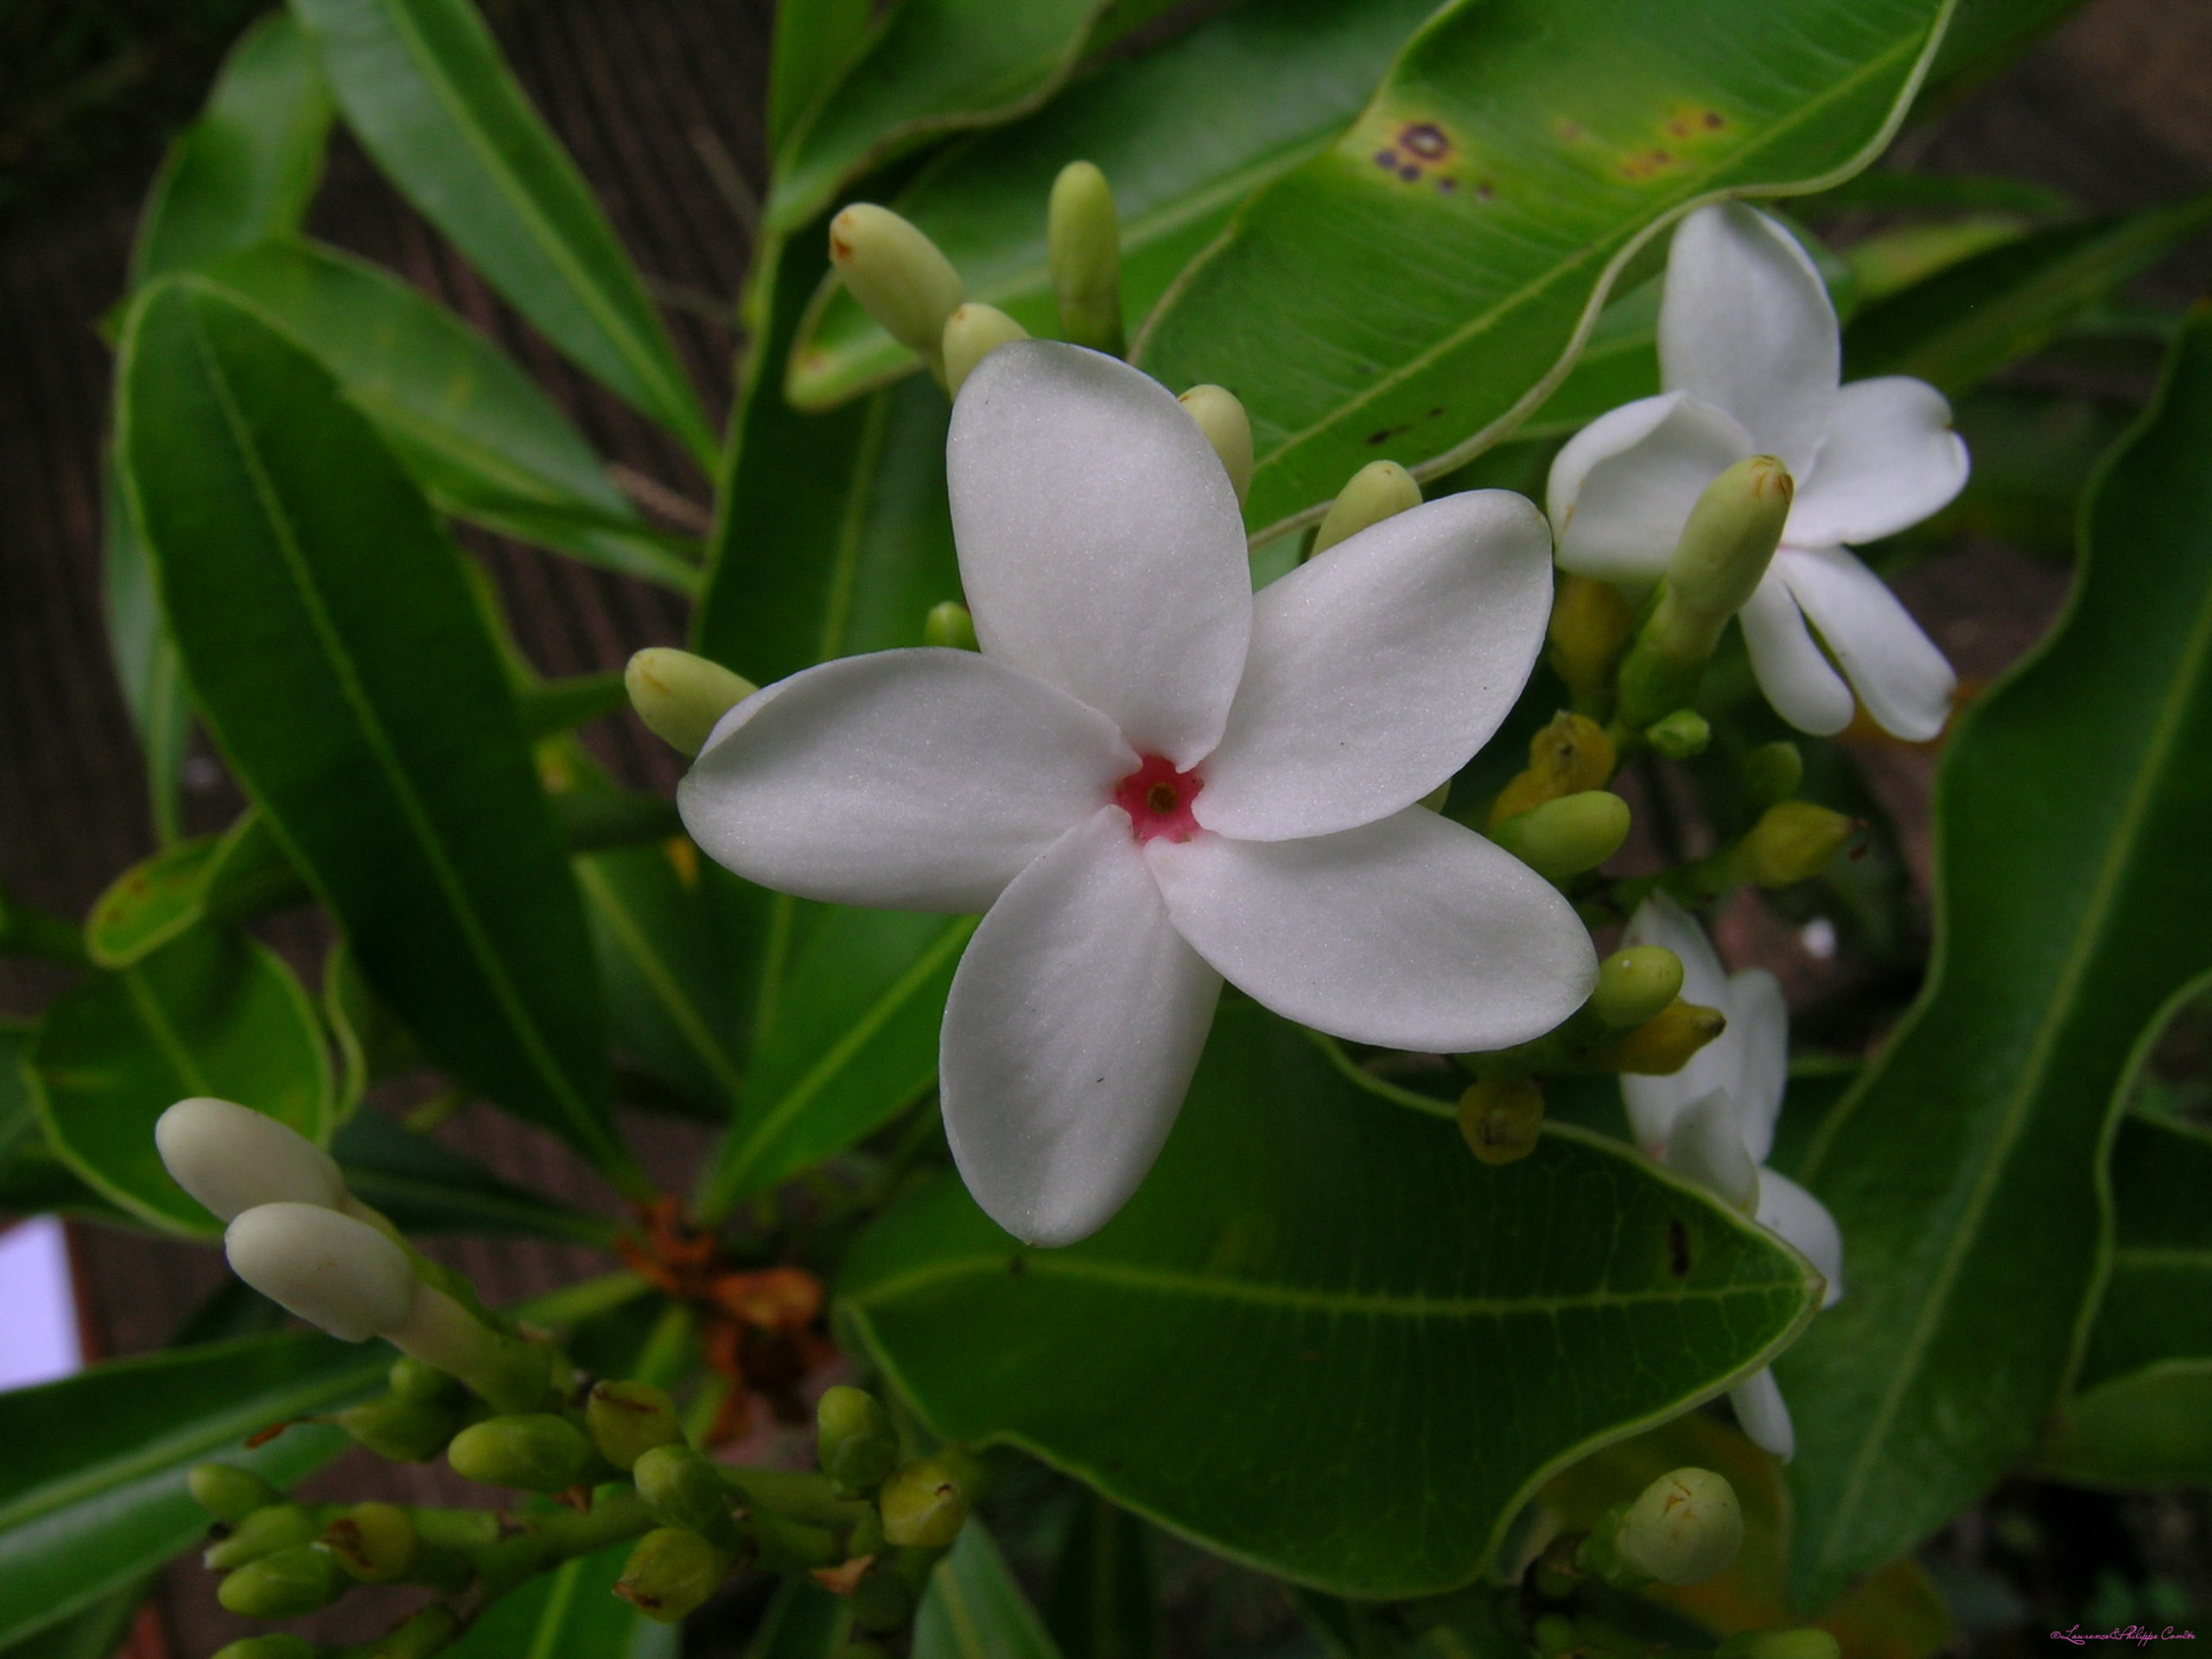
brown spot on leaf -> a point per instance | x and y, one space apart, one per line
1426 140
1387 159
1016 1266
1385 435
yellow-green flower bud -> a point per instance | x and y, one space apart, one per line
627 1419
1591 626
537 1452
670 1573
1680 735
410 1379
1501 1117
950 627
233 1158
330 1269
681 1488
972 333
376 1543
291 1582
1781 1645
1568 836
1772 773
1082 243
276 1645
926 1503
1570 754
1684 1528
278 1526
680 696
1728 542
1380 490
402 1431
853 1439
900 277
1793 840
1663 1045
1636 985
1228 429
230 1494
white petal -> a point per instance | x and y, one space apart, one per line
1654 1103
919 779
1890 460
1101 546
1623 488
1894 667
1074 1022
1378 669
1745 324
1414 932
1801 684
1805 1224
1763 1417
1758 1018
1707 1147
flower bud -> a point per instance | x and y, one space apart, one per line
402 1431
1591 626
286 1585
1568 836
330 1269
1221 416
1501 1117
1570 755
233 1158
1728 542
1772 773
461 1529
681 1488
900 277
670 1573
376 1543
537 1452
680 696
627 1419
1684 1528
1636 985
229 1494
972 333
276 1645
926 1503
1083 242
1793 840
1680 735
1663 1045
853 1439
278 1526
1781 1645
950 627
411 1380
1380 490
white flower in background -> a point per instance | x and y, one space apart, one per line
1713 1122
1749 357
1151 781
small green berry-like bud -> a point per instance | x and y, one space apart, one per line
279 1526
1380 490
1501 1117
627 1419
950 627
670 1573
1568 836
230 1494
302 1579
410 1379
402 1431
276 1645
853 1439
1684 1528
681 1488
1663 1045
1636 985
972 333
537 1452
1221 416
376 1543
1571 754
1780 1645
232 1159
1793 840
680 696
1680 735
1729 540
900 277
330 1269
927 1502
1772 773
1083 240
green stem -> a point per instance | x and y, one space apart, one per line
549 1540
795 1496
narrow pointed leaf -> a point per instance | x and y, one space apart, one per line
571 1612
803 1621
423 1187
1104 1602
974 1610
143 658
811 46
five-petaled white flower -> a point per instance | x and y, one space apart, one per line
1749 357
1713 1122
1152 780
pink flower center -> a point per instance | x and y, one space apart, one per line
1158 800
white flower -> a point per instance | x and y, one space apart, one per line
1749 357
1152 780
1713 1122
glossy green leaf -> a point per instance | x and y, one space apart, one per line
143 658
1184 133
1964 1170
2149 1428
423 1187
1347 1332
1985 30
1104 1600
214 1013
1889 190
813 39
97 1631
2035 453
246 169
803 1621
150 903
424 88
1963 324
571 1612
92 1494
336 653
974 1610
1415 290
33 1181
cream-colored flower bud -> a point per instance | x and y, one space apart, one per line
1380 490
1083 240
680 696
1228 429
1684 1528
330 1269
232 1159
972 333
900 277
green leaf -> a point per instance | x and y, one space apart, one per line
1964 1170
33 1181
1184 133
803 1621
143 658
424 88
214 1013
2035 453
1986 29
1104 1601
1418 310
246 169
812 40
425 1188
974 1610
92 1495
95 1632
337 654
571 1612
1961 325
1352 1335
